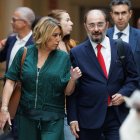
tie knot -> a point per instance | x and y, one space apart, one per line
99 46
119 34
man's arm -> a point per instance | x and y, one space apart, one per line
132 77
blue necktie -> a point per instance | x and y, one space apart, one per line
119 34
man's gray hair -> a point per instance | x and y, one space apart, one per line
120 2
27 14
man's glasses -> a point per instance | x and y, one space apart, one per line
17 19
98 25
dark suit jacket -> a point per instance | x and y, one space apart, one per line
134 41
6 52
88 103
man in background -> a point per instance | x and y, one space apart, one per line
21 21
121 13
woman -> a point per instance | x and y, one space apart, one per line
65 44
63 17
45 81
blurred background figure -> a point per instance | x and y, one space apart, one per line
65 44
130 129
121 13
21 22
138 23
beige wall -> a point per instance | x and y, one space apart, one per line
75 8
6 9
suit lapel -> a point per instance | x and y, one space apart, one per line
90 51
30 41
133 39
113 57
110 32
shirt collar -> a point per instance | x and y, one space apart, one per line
125 31
103 43
26 38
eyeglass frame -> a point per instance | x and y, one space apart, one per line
17 19
93 25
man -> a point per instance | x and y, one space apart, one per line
22 20
121 13
97 105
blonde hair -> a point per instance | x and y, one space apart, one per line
44 30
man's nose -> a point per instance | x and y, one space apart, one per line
120 16
96 28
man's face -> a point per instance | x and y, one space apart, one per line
96 26
17 22
121 15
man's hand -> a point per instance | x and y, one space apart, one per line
4 117
74 128
117 99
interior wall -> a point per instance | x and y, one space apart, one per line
76 9
6 9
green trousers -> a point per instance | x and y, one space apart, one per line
39 130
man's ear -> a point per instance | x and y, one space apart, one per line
107 24
85 26
131 13
111 14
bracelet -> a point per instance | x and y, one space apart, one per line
4 109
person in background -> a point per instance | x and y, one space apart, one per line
138 23
96 106
21 22
65 44
131 126
46 77
121 14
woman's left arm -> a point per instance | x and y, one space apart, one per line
75 74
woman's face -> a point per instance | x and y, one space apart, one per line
54 40
66 23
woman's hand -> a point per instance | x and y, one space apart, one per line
4 117
75 73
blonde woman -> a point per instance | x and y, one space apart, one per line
45 81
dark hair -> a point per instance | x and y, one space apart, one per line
120 2
37 18
104 12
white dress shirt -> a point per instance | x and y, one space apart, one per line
125 36
105 50
18 44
